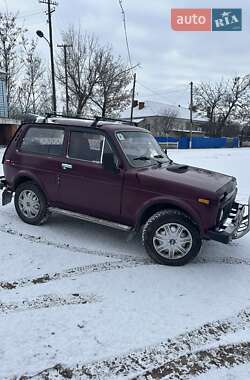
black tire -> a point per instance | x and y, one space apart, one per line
168 217
42 210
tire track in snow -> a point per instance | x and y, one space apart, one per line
223 260
72 272
141 362
47 301
194 364
127 258
5 228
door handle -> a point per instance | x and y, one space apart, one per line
67 166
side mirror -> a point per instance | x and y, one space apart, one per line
108 163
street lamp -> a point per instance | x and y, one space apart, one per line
41 35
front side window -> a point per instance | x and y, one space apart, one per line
141 149
86 146
46 141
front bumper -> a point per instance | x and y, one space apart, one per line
236 226
6 194
2 183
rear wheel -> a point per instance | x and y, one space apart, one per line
171 238
31 204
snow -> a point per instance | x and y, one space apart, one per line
236 373
77 294
152 108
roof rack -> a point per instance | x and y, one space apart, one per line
77 117
94 122
56 118
98 119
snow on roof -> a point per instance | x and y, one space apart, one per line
6 121
152 108
136 120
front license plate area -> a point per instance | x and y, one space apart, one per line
6 197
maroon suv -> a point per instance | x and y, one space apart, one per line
116 175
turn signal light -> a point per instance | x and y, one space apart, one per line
204 201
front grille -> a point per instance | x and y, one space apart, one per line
226 210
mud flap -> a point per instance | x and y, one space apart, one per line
6 197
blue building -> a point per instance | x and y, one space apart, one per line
3 96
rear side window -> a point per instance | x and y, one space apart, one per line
43 141
86 146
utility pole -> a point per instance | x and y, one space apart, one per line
65 47
191 112
49 13
133 99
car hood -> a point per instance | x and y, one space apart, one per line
207 181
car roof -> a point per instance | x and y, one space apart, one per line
108 126
120 127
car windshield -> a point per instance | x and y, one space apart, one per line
141 149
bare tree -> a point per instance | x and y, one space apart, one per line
111 93
208 97
169 120
236 97
84 66
45 100
10 34
242 113
225 102
29 90
222 99
33 91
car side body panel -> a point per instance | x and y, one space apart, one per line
122 197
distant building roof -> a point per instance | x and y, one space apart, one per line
152 108
7 121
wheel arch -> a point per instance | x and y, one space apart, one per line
26 177
162 204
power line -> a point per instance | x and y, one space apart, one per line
30 14
129 55
125 31
51 9
161 94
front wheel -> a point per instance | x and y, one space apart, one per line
171 238
31 204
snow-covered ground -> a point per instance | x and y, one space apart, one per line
81 301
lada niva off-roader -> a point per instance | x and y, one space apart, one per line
116 174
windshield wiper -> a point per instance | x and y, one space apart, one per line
145 158
169 159
159 156
166 157
142 158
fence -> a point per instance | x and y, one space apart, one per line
198 142
168 142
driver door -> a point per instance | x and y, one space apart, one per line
85 186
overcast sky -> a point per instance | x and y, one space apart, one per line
169 60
